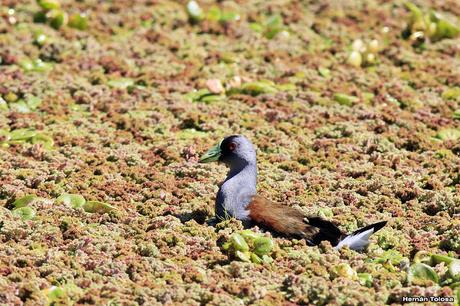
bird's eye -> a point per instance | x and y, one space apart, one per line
232 146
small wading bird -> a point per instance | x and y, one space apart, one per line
237 197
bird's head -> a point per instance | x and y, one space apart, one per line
235 150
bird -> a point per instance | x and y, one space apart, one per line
237 197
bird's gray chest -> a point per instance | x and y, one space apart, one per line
232 199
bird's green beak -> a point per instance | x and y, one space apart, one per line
211 155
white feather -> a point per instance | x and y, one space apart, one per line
356 242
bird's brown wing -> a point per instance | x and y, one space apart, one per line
291 222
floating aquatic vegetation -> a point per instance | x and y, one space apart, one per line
250 246
21 136
56 17
448 134
97 207
26 105
197 14
24 201
71 200
420 272
428 25
363 53
346 100
25 213
35 65
270 27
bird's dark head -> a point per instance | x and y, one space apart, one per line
233 150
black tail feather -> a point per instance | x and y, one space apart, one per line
376 226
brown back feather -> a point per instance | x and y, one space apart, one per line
291 222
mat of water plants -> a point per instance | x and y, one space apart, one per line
106 107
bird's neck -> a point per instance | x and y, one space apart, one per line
237 191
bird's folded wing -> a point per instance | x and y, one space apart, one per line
280 218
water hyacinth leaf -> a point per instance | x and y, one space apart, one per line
243 256
48 5
239 243
423 257
344 270
33 102
194 11
71 200
78 21
422 272
438 258
44 140
121 83
20 107
448 134
365 279
451 93
344 99
55 293
263 246
256 259
249 235
97 207
446 29
24 201
257 88
26 213
22 134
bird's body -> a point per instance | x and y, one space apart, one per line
237 197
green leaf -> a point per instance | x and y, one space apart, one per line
243 256
438 258
257 88
79 21
71 200
20 106
26 213
256 259
33 102
263 246
57 18
239 243
446 29
3 104
214 14
97 207
22 134
448 134
121 83
43 139
48 5
346 100
365 279
190 134
24 201
422 272
249 235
